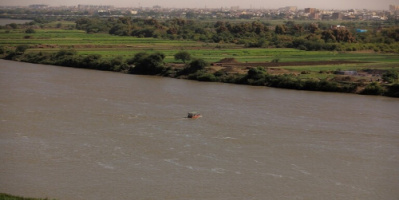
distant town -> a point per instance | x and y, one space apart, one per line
233 12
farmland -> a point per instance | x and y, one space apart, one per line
322 65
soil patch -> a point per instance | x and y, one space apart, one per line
280 64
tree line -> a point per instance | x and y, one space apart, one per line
304 36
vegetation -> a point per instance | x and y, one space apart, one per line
317 59
373 89
391 76
4 196
183 56
304 36
144 63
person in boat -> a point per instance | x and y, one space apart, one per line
193 115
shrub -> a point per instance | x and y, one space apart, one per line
373 89
148 64
276 60
390 76
203 76
393 90
311 84
21 49
284 81
329 86
197 64
30 30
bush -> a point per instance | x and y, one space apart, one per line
11 55
196 65
391 76
37 58
148 64
393 90
207 77
373 89
276 60
284 81
311 84
21 49
30 30
328 86
203 76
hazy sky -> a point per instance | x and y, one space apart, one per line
322 4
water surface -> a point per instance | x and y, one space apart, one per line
81 134
5 21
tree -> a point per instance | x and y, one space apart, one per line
30 30
148 64
21 49
313 28
337 35
120 29
373 88
91 61
65 52
256 76
280 29
391 76
194 66
393 90
183 56
13 25
198 64
138 57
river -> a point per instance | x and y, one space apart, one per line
5 21
82 134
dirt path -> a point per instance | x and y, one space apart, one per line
279 64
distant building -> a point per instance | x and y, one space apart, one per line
290 8
94 7
337 16
310 10
315 16
235 8
325 17
38 6
393 8
134 12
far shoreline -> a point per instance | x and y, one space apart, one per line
244 79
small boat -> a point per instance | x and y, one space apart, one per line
193 115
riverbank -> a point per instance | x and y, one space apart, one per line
4 196
309 75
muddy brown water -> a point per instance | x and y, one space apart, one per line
81 134
5 21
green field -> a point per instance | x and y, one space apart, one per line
109 46
51 40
